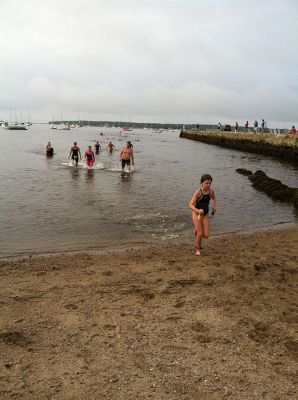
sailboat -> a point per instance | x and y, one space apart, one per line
16 126
28 123
63 126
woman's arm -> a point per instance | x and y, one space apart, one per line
192 202
213 201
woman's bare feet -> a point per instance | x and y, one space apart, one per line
198 253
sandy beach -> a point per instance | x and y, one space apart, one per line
156 323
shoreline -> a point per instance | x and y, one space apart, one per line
156 323
123 248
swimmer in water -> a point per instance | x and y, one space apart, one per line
111 147
49 150
126 155
97 147
89 156
199 204
75 153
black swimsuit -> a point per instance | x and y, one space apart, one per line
203 202
50 151
75 154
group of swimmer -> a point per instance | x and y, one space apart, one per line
126 154
199 203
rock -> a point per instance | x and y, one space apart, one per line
273 187
244 171
295 199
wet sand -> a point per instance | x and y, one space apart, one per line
156 323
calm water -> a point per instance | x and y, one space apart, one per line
47 206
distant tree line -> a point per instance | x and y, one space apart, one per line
140 125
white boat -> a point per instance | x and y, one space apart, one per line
15 127
63 127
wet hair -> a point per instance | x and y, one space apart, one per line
206 177
74 142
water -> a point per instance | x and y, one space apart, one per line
47 206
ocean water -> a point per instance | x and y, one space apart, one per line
48 206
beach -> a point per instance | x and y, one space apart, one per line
154 323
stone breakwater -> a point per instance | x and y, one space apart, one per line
280 146
272 187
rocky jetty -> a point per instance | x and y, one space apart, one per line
272 187
280 146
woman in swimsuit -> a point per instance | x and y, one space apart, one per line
97 147
90 158
199 204
111 147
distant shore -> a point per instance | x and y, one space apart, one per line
280 146
156 322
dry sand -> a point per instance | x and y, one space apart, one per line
154 323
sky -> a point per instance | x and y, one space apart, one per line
167 61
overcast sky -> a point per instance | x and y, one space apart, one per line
180 61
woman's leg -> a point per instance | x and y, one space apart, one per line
205 227
198 231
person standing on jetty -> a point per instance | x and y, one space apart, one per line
236 126
126 155
75 153
246 126
89 156
293 131
263 125
256 124
199 204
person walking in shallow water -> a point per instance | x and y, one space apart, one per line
97 147
199 204
89 156
49 150
126 155
75 153
110 147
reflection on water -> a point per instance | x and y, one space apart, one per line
75 173
89 175
78 208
